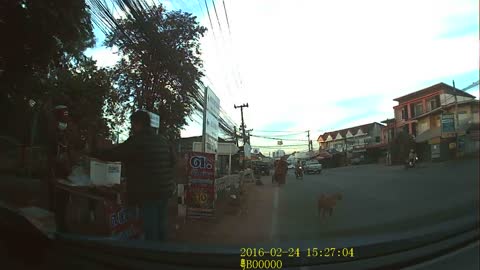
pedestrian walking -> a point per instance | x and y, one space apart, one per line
150 164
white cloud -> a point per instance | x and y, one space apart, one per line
105 57
297 59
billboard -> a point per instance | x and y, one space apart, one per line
211 134
200 197
448 125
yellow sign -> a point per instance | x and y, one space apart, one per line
452 145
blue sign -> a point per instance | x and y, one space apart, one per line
448 123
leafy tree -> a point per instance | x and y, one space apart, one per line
44 40
41 35
161 67
401 146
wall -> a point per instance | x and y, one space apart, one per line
423 125
465 115
449 99
376 131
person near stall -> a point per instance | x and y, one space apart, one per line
149 169
59 156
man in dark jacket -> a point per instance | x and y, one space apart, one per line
149 169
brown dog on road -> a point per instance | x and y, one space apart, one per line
327 202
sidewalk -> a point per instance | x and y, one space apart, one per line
246 222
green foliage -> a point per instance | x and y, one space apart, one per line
42 59
39 36
161 68
85 88
400 147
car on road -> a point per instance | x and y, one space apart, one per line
291 166
357 160
312 166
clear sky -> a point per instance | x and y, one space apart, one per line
323 65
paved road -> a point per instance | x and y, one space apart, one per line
376 198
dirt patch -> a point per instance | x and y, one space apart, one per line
244 220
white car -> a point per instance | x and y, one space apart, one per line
312 166
291 166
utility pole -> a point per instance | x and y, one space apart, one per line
309 142
243 123
456 119
243 129
235 135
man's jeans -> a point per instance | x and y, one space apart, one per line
154 215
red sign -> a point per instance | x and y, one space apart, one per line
201 166
200 195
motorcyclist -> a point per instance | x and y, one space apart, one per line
298 169
412 157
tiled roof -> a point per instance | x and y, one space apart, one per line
344 131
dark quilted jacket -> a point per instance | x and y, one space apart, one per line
148 163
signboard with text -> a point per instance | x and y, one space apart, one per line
448 125
211 136
200 195
211 120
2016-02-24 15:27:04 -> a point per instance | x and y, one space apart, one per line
295 252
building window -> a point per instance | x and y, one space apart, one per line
418 109
404 113
433 103
377 139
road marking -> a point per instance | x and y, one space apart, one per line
274 228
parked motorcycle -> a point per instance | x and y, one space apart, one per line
299 172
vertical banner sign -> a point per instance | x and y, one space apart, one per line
211 118
201 191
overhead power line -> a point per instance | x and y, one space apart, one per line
282 133
210 19
280 146
216 14
226 16
279 139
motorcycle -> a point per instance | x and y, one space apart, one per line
411 163
299 172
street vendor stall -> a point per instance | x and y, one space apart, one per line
86 207
91 198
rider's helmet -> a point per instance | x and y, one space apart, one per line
411 151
